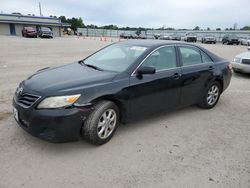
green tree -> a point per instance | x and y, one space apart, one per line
218 29
63 19
245 28
197 28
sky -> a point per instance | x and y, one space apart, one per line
178 14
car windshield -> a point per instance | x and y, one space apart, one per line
116 57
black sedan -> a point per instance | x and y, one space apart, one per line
121 81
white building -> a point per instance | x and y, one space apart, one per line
12 24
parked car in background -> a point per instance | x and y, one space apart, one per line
245 41
190 37
142 36
134 36
157 36
241 62
45 32
125 36
164 37
121 81
208 39
175 36
29 32
230 39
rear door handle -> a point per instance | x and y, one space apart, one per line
210 68
176 76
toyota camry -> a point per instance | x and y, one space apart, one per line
89 98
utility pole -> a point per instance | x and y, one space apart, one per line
40 9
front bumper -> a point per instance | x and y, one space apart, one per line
53 125
31 34
241 67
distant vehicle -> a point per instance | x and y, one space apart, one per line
125 36
157 36
134 36
142 36
245 41
241 62
29 32
16 13
208 39
190 37
164 37
175 37
45 32
230 39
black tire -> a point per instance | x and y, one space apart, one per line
90 127
204 104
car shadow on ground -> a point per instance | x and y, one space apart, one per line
83 145
241 75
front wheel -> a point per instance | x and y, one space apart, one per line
101 124
211 96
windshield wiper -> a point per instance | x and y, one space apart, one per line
91 66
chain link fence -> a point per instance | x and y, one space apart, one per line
151 33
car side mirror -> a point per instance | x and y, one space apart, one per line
146 70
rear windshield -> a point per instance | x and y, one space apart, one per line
45 29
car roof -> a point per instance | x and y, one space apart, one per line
157 43
151 43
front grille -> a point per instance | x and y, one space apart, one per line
246 61
27 100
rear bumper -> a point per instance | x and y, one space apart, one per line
57 125
46 35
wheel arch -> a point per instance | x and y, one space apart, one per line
220 81
119 103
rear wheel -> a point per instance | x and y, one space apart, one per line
211 96
101 124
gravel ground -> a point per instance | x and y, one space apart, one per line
185 148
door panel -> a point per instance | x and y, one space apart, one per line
155 92
197 71
194 80
159 91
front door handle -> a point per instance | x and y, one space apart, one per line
176 76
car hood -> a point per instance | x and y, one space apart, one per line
244 55
66 78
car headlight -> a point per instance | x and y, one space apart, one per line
237 60
58 101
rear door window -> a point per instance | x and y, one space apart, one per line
190 56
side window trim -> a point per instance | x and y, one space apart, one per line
201 51
168 45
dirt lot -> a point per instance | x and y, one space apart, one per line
185 148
